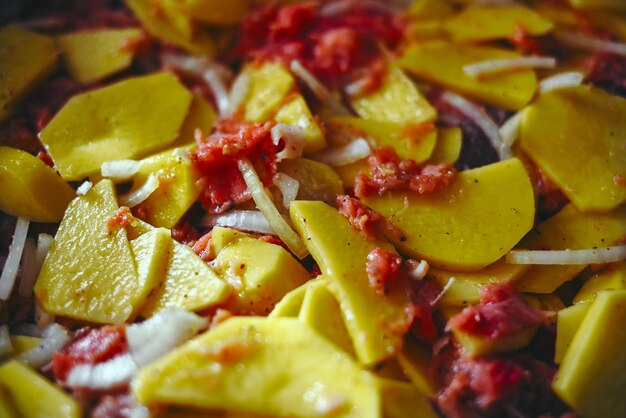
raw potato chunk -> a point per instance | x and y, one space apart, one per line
201 116
20 344
376 322
189 284
569 229
296 112
612 278
321 312
465 290
291 304
93 55
430 9
469 224
591 378
177 189
30 189
576 136
214 12
568 322
25 59
89 273
279 367
448 147
442 63
261 274
396 100
617 5
269 85
125 120
33 396
478 345
484 23
402 400
318 181
415 359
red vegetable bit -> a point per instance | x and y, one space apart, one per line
366 220
91 346
425 293
388 172
204 247
122 218
608 71
501 312
216 157
382 267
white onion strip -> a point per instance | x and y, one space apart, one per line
420 271
238 93
288 187
29 270
245 220
5 340
347 154
114 373
496 66
294 138
562 80
443 292
120 169
568 257
481 119
591 43
141 194
318 89
55 337
269 210
12 263
509 131
84 188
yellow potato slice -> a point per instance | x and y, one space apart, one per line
613 278
568 323
318 181
469 224
448 146
296 112
125 120
576 136
270 83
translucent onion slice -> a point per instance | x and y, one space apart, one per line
318 89
54 338
443 292
29 269
43 318
111 374
269 210
120 169
84 188
294 138
5 340
509 131
420 271
133 199
288 187
567 257
12 263
481 119
245 220
591 43
562 80
489 67
347 154
238 93
155 337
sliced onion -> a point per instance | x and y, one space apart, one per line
12 263
481 119
318 89
245 220
161 333
562 80
218 86
509 131
183 154
288 187
43 318
5 340
269 210
44 242
29 270
568 257
111 374
347 154
120 169
141 194
294 138
55 337
238 93
443 292
420 271
84 188
496 66
590 43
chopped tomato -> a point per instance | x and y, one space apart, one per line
91 346
364 219
382 266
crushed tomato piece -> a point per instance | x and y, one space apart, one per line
501 312
122 218
216 158
364 219
90 346
382 266
388 172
